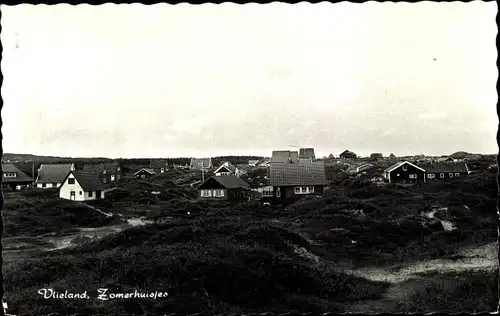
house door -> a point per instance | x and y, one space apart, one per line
72 195
97 195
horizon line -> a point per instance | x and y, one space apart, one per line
221 156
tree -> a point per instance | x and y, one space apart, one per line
331 156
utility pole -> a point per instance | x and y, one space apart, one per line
33 171
202 174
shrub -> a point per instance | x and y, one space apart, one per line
40 193
455 293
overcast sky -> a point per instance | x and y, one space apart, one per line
209 80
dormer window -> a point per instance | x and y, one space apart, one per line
9 174
104 171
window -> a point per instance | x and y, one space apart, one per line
413 176
10 174
117 177
405 168
162 170
397 175
450 175
278 192
457 174
104 171
54 185
71 180
218 193
267 192
304 190
441 175
80 192
431 176
90 193
200 164
118 169
112 177
207 193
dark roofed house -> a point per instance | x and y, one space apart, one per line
284 156
84 185
445 171
346 154
158 165
52 175
110 171
376 156
307 153
200 163
228 188
404 172
14 178
145 173
293 180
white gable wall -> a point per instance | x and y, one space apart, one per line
80 194
66 188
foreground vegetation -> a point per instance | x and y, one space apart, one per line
454 293
244 258
36 212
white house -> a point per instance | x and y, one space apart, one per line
364 167
84 186
200 163
253 162
227 169
52 175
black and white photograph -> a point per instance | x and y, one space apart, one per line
237 159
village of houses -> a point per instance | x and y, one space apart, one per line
289 174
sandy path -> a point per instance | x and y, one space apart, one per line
61 242
408 277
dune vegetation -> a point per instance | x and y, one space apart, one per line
249 258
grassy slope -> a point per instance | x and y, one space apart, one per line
241 258
454 293
36 212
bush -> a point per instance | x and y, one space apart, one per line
33 218
40 193
455 293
